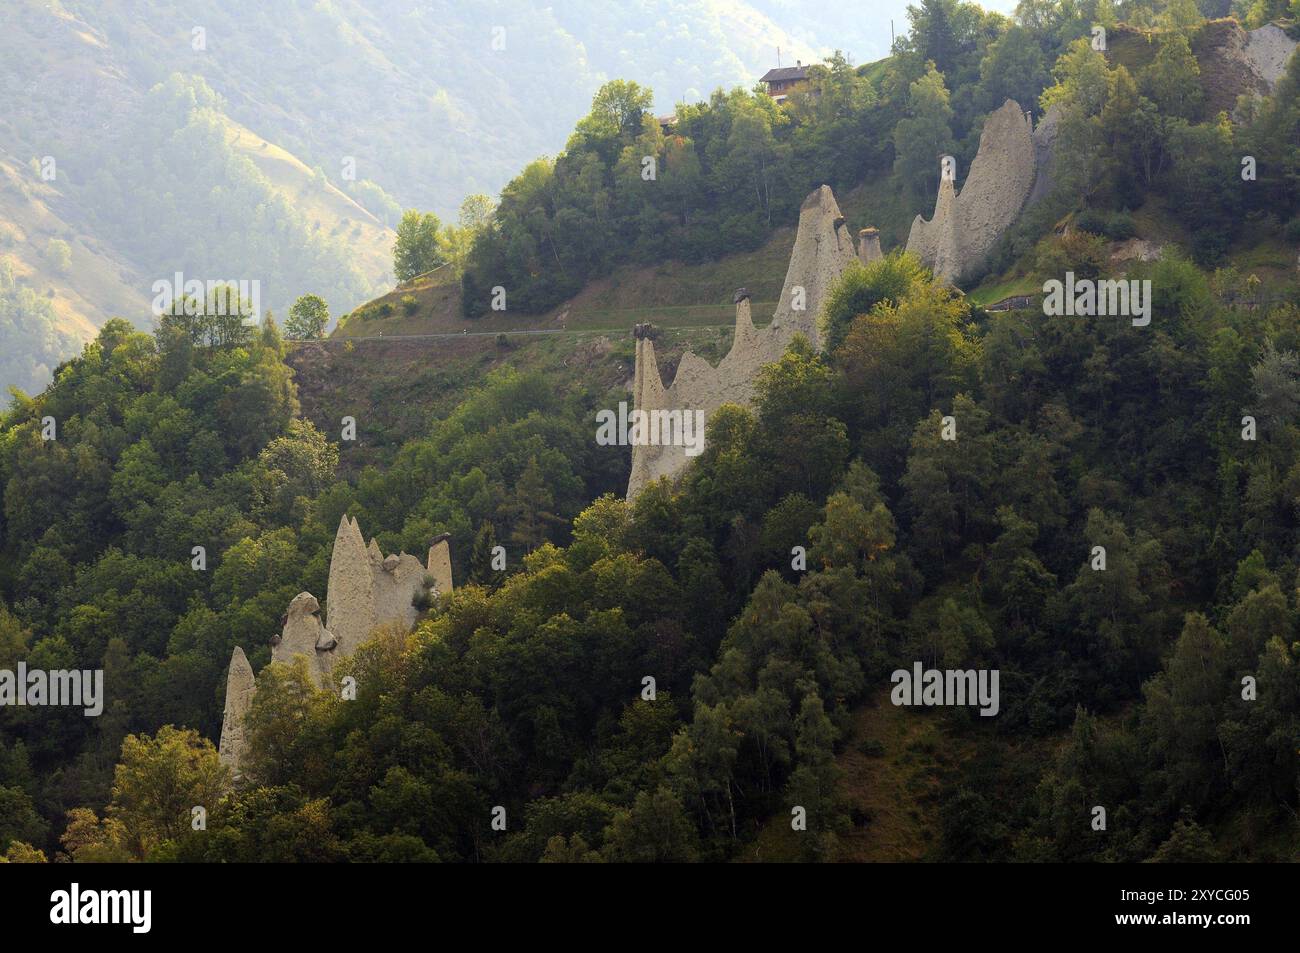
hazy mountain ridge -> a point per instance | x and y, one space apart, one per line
413 96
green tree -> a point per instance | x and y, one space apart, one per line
801 445
308 318
560 850
284 702
1173 80
476 212
616 110
812 785
1181 15
656 830
933 32
14 639
1190 843
418 247
947 485
1081 80
158 782
1185 703
88 839
531 510
861 287
480 560
476 216
752 152
59 254
1013 68
921 139
23 853
19 822
1276 380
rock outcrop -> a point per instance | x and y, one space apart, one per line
366 590
239 696
822 250
956 241
303 633
1010 171
1236 62
1268 51
869 246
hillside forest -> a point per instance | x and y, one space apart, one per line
524 688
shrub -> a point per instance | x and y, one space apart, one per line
1209 245
1079 251
862 287
425 599
1120 226
1116 226
409 304
59 254
1091 220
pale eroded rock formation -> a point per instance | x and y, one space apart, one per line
303 633
366 590
966 225
239 696
1009 172
822 250
869 246
1012 168
1268 51
1236 62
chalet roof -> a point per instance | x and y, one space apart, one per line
785 74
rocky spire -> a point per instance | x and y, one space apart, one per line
957 240
869 246
239 698
946 257
439 564
647 394
366 590
304 634
351 595
745 335
648 386
822 250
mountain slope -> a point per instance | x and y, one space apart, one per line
417 99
